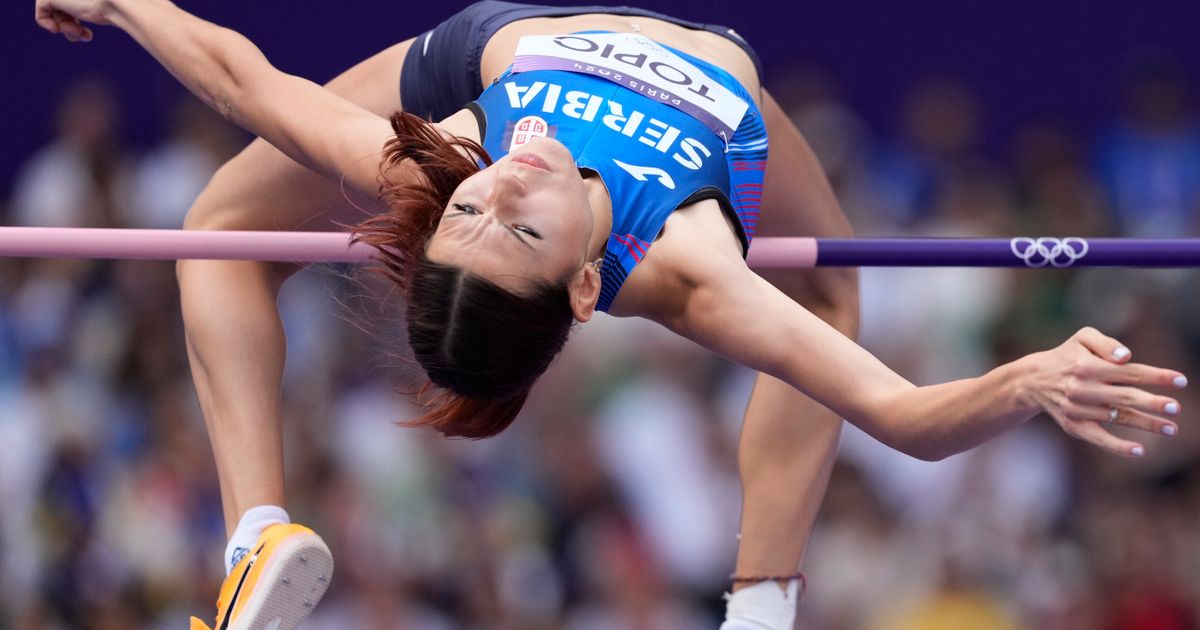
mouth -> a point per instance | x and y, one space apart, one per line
530 159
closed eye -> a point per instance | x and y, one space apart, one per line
528 230
471 210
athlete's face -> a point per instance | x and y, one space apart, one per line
526 216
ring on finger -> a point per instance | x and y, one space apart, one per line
1113 414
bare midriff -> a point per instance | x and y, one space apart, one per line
711 47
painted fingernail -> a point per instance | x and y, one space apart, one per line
1120 353
1137 451
1180 382
1168 430
1171 408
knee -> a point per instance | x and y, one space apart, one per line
829 293
224 205
848 308
212 209
835 297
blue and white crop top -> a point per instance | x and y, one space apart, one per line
661 128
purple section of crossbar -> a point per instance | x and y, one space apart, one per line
1016 252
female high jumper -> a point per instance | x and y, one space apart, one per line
616 161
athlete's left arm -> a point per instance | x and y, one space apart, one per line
731 310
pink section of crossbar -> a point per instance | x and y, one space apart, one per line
791 252
331 247
176 244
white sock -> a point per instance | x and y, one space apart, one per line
252 525
763 606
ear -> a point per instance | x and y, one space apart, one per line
584 288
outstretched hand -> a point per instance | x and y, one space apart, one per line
67 17
1089 382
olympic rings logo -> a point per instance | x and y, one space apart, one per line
1039 252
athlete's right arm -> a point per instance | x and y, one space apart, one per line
731 310
311 125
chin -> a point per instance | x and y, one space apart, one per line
549 148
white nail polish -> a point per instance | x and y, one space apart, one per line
1169 431
1180 382
1137 451
1120 353
1171 408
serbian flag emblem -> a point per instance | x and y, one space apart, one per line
526 130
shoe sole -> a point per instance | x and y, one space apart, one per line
290 587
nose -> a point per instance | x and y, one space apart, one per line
508 186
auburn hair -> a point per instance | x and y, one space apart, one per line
482 346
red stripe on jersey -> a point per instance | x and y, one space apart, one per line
636 247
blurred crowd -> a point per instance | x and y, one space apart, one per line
614 501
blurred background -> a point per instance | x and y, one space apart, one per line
614 502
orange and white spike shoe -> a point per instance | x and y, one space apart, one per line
277 584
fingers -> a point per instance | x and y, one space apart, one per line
1102 345
1106 381
58 22
1138 374
84 34
1106 396
45 19
1095 434
71 28
1125 417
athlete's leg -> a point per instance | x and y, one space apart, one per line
235 338
788 441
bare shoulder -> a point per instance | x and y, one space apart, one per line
462 124
697 245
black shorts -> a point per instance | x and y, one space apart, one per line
441 70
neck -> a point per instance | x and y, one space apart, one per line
601 205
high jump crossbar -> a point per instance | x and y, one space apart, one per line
785 252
